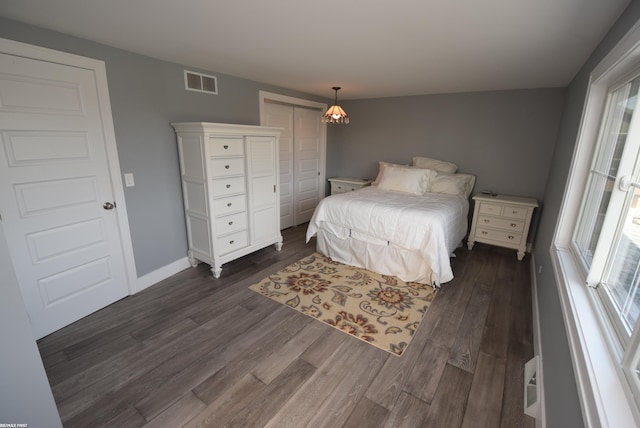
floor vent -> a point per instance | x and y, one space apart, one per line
531 392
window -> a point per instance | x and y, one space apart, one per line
609 227
200 82
596 248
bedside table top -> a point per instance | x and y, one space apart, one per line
514 200
350 180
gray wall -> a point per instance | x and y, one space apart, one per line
504 138
25 395
146 96
561 399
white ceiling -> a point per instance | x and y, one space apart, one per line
372 48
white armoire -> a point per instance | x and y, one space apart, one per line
230 190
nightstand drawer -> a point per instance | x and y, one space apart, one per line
342 188
499 235
515 212
501 223
345 184
491 209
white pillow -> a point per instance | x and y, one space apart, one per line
381 167
406 179
435 164
453 184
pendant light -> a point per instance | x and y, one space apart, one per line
335 114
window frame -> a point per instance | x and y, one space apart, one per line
605 395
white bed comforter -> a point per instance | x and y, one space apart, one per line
431 225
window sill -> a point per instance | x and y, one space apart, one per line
606 400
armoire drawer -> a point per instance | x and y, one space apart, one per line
223 167
230 204
232 242
228 186
501 223
219 146
231 223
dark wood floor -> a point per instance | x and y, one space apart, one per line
195 351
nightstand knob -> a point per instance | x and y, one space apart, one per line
229 204
226 167
513 225
228 186
486 221
225 147
484 233
230 223
510 237
231 242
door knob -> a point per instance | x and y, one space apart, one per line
108 205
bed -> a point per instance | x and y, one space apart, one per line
407 224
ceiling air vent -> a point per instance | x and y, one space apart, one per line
200 82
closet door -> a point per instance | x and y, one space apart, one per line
301 160
307 154
281 116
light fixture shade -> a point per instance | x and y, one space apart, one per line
335 113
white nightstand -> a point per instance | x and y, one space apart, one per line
344 184
502 220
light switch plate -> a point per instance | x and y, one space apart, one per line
128 180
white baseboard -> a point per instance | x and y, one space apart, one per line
158 275
537 344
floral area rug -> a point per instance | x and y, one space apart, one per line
379 309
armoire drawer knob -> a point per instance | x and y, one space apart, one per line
226 147
228 186
231 242
229 204
226 167
230 223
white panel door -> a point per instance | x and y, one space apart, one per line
308 151
281 116
263 176
54 179
301 158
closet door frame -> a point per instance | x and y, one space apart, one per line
265 97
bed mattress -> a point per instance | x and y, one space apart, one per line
393 233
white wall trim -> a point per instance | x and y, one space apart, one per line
160 274
541 422
25 50
285 99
